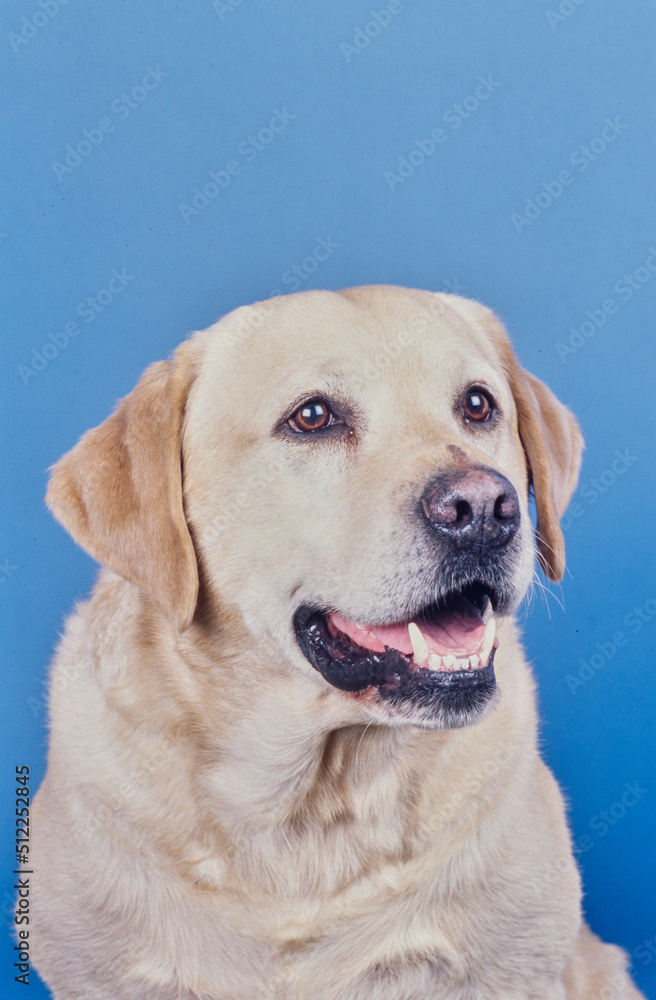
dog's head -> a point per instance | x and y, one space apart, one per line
350 472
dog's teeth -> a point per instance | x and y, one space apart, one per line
488 641
434 662
474 661
462 663
449 661
487 610
420 648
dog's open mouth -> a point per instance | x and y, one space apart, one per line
446 646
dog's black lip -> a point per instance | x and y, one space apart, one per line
392 672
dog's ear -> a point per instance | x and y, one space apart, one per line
119 490
552 442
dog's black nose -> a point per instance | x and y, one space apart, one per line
473 507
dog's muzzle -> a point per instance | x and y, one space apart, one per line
436 667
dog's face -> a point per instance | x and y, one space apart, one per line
356 469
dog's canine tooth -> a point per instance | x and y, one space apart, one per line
420 648
488 641
487 610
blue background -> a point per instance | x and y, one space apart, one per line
449 224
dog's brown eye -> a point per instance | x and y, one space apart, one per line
477 405
312 416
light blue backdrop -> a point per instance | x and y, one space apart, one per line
502 150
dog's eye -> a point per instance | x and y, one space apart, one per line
477 405
312 416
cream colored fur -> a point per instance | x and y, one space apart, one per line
219 822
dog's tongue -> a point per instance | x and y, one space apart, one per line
458 630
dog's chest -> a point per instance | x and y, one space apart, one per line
361 962
379 941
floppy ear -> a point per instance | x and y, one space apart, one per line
552 442
119 490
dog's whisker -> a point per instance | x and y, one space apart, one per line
540 557
546 592
364 733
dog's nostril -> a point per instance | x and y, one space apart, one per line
450 512
505 507
463 512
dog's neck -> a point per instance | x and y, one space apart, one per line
283 771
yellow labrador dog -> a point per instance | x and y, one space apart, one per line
293 750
